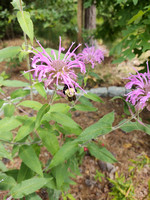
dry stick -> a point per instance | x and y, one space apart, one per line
22 110
127 193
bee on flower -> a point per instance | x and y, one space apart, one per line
54 71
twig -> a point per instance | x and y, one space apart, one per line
21 143
22 110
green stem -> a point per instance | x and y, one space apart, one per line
86 74
119 125
20 143
28 66
27 56
52 97
113 128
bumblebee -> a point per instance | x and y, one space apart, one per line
70 93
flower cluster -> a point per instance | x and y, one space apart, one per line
57 71
90 55
140 94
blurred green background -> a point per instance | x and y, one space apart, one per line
122 25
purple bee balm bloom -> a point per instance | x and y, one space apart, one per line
54 72
90 55
140 95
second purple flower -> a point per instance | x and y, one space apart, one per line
91 55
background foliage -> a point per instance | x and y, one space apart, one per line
124 25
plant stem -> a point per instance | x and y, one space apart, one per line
27 56
119 125
84 85
21 143
52 97
28 66
113 129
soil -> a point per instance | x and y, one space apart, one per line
124 146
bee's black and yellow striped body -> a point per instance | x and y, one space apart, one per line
70 93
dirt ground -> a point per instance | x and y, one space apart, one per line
124 146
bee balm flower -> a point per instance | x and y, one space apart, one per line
140 95
57 71
90 55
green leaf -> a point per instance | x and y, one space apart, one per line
94 75
51 181
24 173
128 53
60 173
13 173
136 17
9 110
35 105
4 153
40 88
101 153
25 130
119 60
70 196
19 93
60 107
14 83
117 49
131 126
102 127
7 136
33 196
1 91
54 194
43 110
135 2
8 124
144 41
63 119
26 23
29 157
7 183
64 153
9 52
93 97
1 102
85 101
26 75
16 4
49 140
83 107
27 187
3 168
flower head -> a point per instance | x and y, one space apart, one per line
140 94
53 70
90 55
